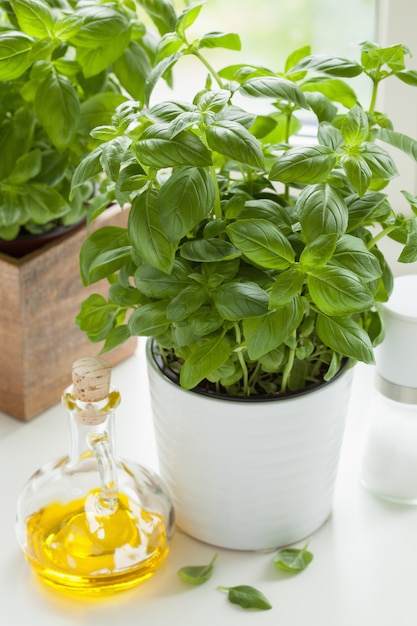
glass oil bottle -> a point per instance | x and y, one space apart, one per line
91 522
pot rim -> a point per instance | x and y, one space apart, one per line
171 378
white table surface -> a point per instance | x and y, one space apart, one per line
364 571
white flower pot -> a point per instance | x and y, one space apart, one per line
249 475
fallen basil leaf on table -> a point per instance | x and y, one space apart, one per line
247 597
197 574
293 559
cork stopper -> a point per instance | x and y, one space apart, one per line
91 379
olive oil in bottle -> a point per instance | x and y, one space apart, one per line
91 522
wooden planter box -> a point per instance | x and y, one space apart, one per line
40 296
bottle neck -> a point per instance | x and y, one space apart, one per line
89 422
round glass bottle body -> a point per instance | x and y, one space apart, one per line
91 522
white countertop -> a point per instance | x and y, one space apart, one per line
364 571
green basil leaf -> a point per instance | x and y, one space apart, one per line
338 291
149 320
352 254
101 26
158 71
185 200
236 301
42 203
104 252
230 41
334 66
98 59
132 69
147 234
380 162
158 284
112 156
209 250
409 252
202 322
334 89
96 317
262 242
27 166
329 136
310 164
247 597
321 211
157 148
355 126
116 337
197 574
87 169
263 334
287 285
398 140
318 252
162 13
15 54
346 336
58 109
35 18
187 18
362 211
125 296
296 56
274 87
408 76
205 359
235 141
186 302
358 172
293 559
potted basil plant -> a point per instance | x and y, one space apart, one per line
252 260
64 67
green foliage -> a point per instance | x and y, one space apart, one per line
64 68
254 258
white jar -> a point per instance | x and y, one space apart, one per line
389 462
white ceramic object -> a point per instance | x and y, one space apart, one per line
249 475
389 458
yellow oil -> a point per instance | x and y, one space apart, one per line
73 547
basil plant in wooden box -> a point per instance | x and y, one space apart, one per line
250 257
64 67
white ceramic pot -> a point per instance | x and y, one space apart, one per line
249 475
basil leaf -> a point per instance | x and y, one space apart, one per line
96 317
147 234
287 285
15 54
262 243
274 87
236 301
35 18
346 336
104 252
197 574
337 291
185 200
310 164
58 108
116 337
157 148
247 597
209 250
149 320
155 283
236 142
321 210
203 360
263 334
293 559
187 18
230 41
